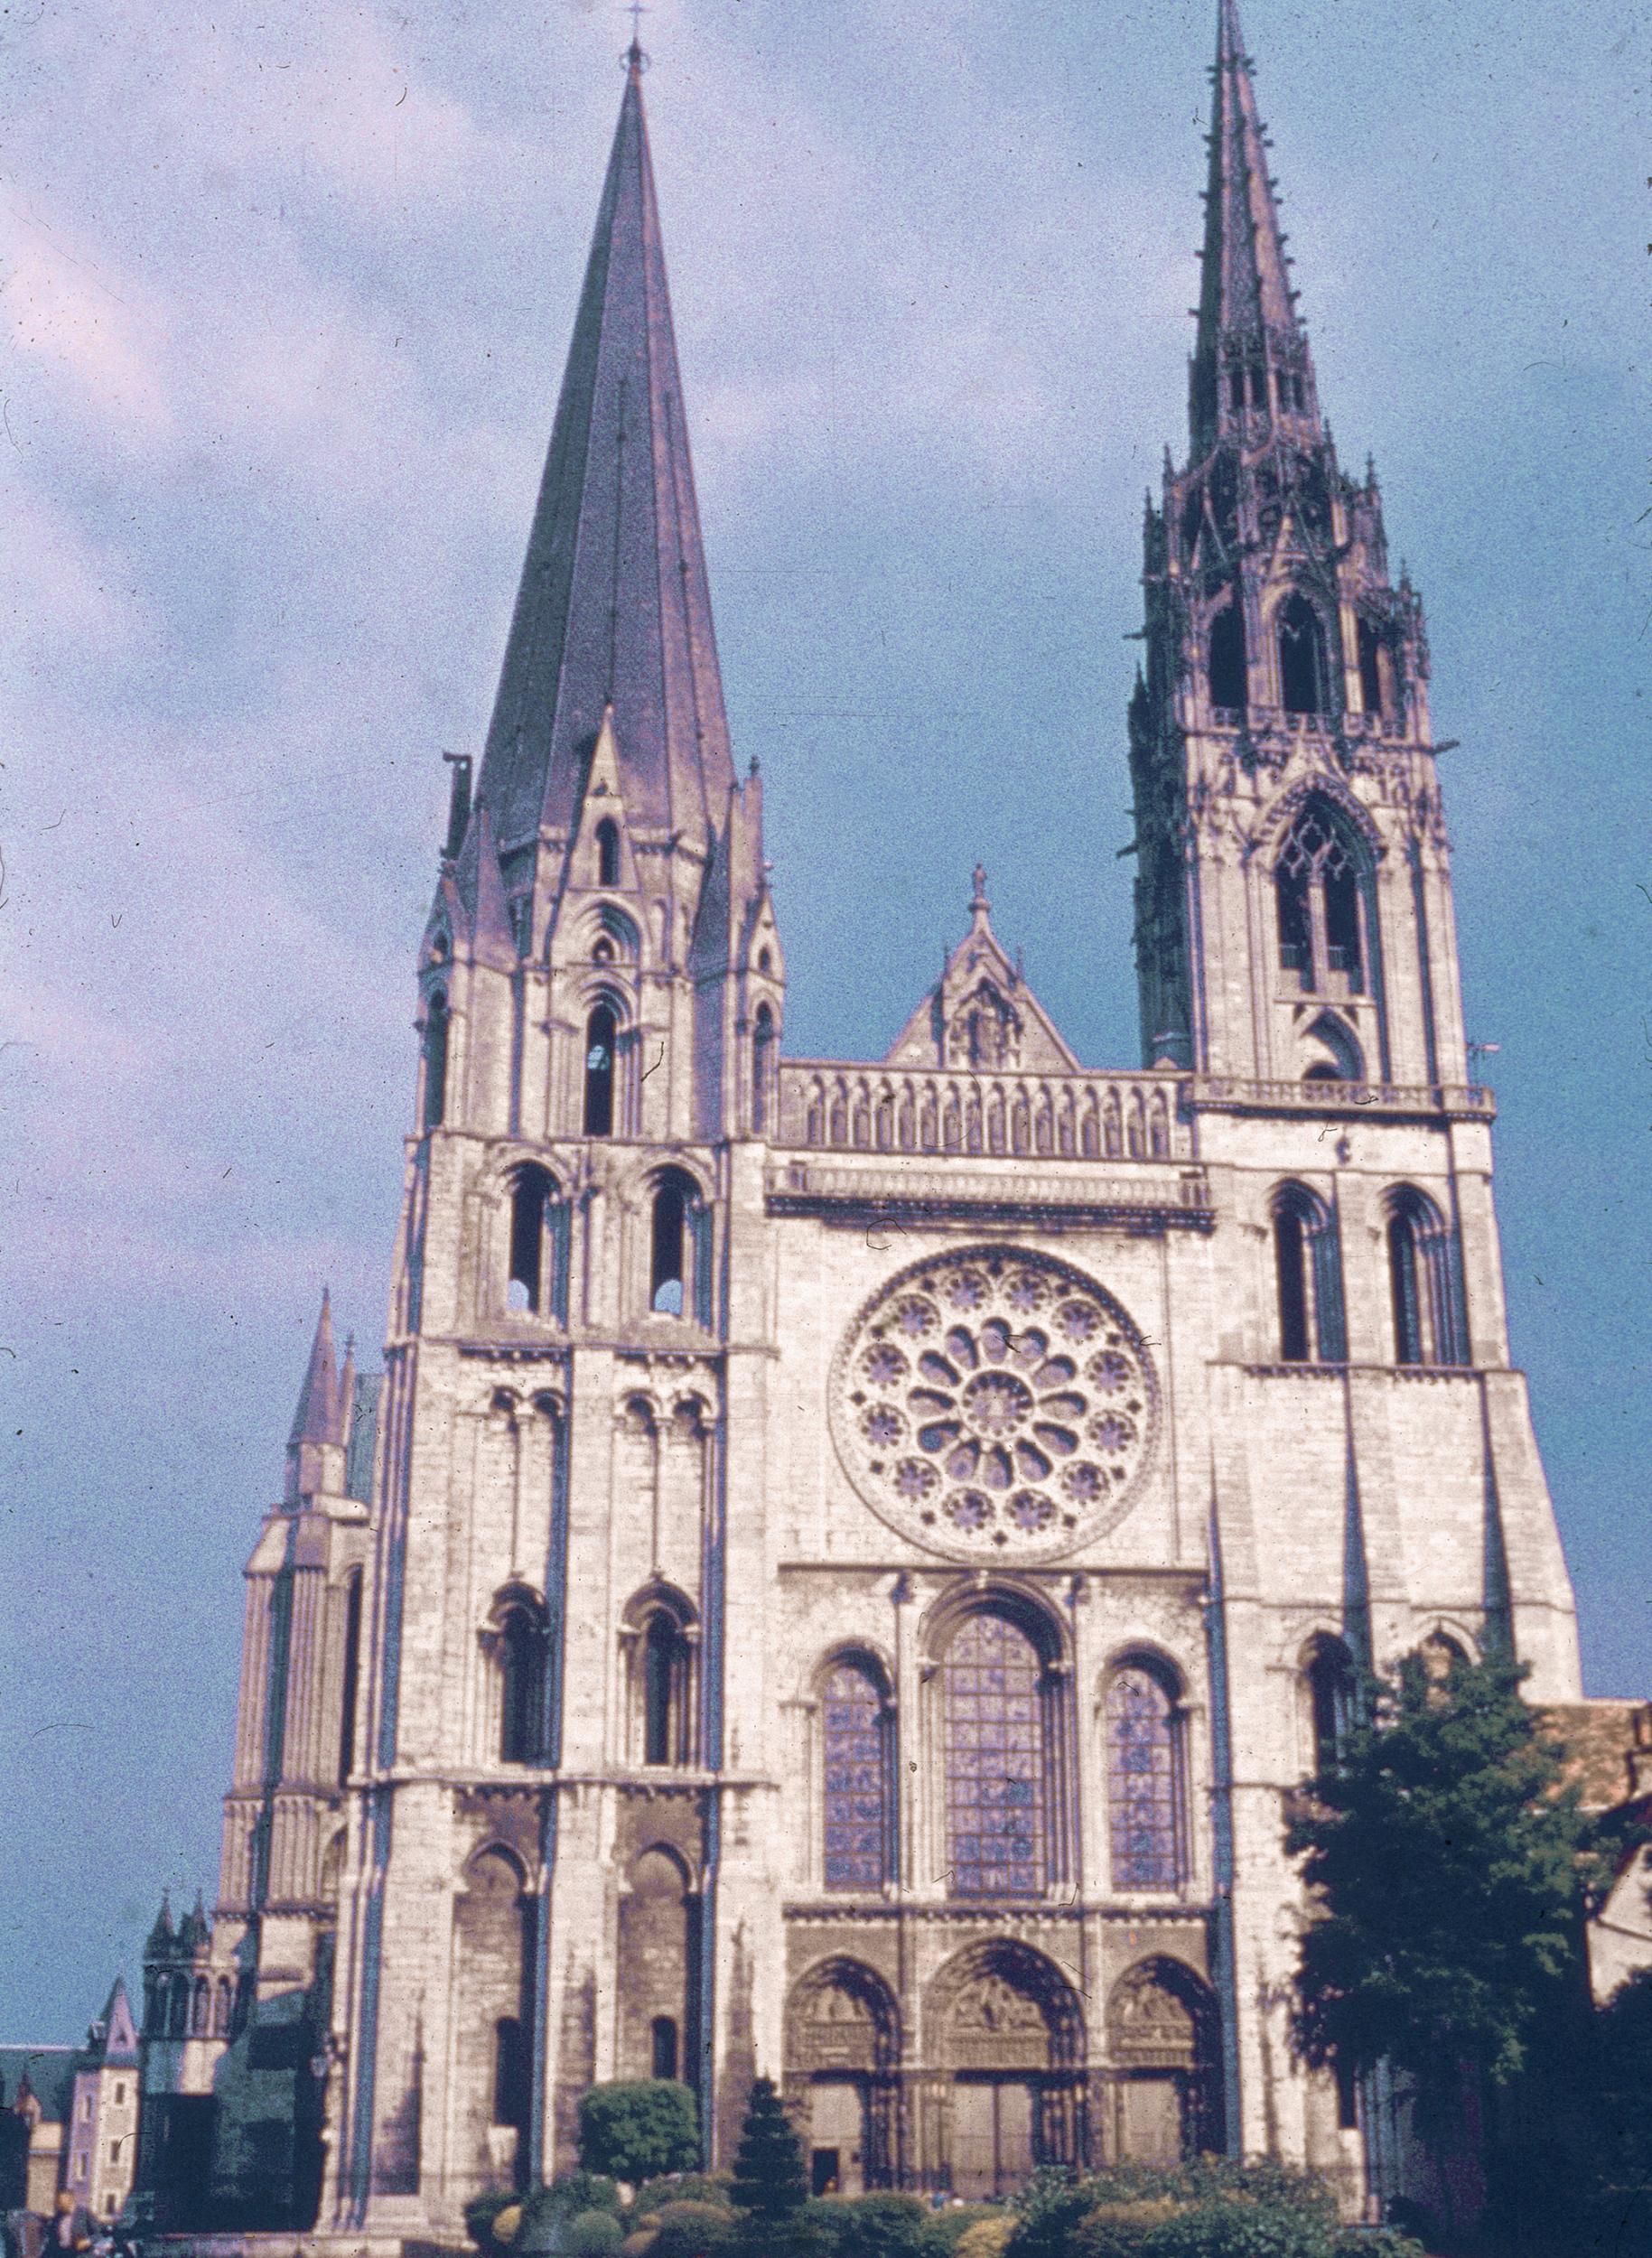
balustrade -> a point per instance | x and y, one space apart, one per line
829 1108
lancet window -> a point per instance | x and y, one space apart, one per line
539 1244
997 1759
521 1651
1304 675
762 1069
435 1059
857 1757
1308 1273
666 1686
1146 1791
1229 689
607 852
1328 1683
601 1039
680 1248
1425 1284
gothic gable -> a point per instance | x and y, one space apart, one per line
981 1016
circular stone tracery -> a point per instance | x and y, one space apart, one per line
994 1403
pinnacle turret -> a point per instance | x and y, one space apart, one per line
1252 367
614 609
316 1420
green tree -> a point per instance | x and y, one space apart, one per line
637 2129
1446 1860
769 2180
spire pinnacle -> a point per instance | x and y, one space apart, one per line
316 1419
1252 369
614 607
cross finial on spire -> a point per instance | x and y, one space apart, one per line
635 59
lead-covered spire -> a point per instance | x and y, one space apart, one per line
614 609
1251 369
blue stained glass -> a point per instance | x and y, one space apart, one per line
994 1761
1145 1789
856 1793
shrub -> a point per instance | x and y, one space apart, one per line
882 2226
1232 2227
679 2187
636 2129
1380 2242
481 2211
692 2230
769 2180
982 2237
507 2224
1119 2230
592 2234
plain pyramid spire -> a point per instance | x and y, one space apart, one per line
316 1419
614 608
1251 358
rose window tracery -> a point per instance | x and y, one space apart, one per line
994 1403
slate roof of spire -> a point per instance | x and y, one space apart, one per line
316 1420
1247 285
614 606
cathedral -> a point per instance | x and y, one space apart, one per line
847 1562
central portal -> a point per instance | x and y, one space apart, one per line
1008 2037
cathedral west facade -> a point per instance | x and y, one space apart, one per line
849 1561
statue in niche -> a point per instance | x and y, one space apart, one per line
984 1031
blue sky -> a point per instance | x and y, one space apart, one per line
284 303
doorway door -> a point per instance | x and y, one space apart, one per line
992 2136
837 2137
1151 2120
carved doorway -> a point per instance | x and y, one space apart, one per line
842 2047
1167 2089
1008 2030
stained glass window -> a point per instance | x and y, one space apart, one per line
1144 1783
856 1781
994 1761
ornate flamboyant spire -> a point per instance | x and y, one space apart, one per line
1251 369
614 609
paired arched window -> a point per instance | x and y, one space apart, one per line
1227 673
666 1680
998 1760
1308 1276
1330 1687
607 852
352 1675
435 1058
539 1244
680 1248
522 1671
1304 675
601 1045
1425 1285
1146 1791
762 1069
859 1777
1322 898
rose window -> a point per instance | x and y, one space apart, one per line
994 1403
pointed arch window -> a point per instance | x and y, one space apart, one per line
666 1685
1424 1281
435 1059
1329 1682
859 1777
762 1067
522 1681
1002 1729
663 2046
679 1252
352 1675
602 1041
1371 669
1307 1276
539 1244
607 852
1147 1790
1304 675
1323 900
1229 687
